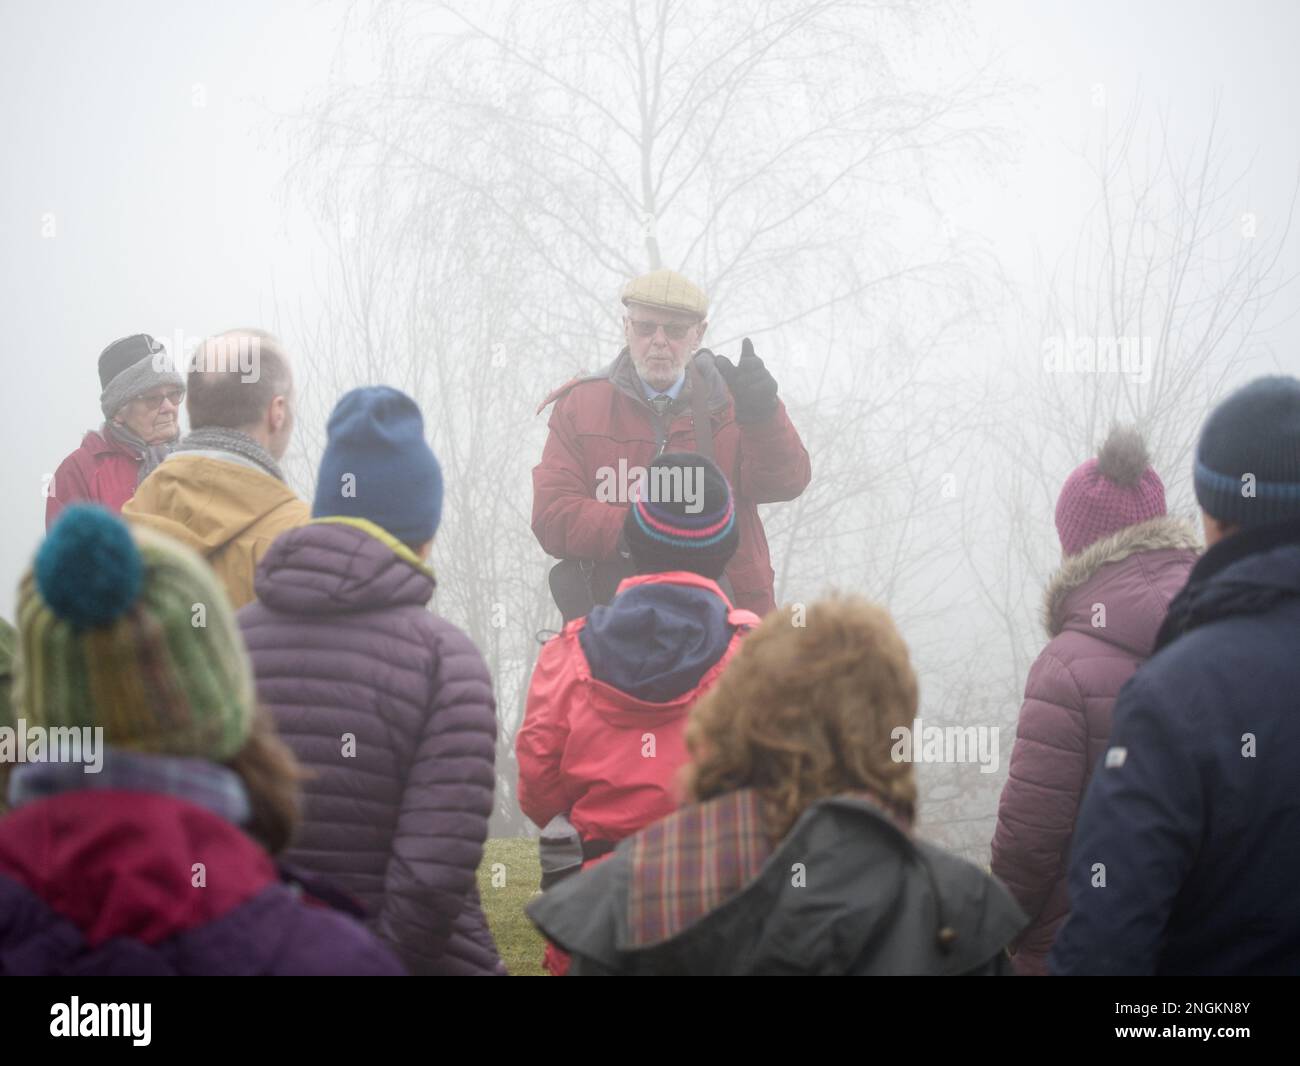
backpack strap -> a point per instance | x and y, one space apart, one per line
702 424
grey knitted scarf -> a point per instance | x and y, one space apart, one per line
233 442
218 788
150 454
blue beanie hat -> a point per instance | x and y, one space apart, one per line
1248 458
378 466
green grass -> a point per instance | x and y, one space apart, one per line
516 879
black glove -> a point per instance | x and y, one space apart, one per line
752 385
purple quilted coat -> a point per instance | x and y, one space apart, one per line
1102 611
391 709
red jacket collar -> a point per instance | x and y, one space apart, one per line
676 577
123 863
737 616
97 442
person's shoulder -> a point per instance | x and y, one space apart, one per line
87 451
984 916
459 657
1169 690
581 384
575 390
277 507
292 512
960 916
1200 651
1052 677
449 637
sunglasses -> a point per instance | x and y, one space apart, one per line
674 331
154 400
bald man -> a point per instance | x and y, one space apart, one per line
221 492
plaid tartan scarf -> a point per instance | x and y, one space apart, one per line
690 863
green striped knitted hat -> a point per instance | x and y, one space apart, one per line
130 631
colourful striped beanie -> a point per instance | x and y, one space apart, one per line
129 631
682 517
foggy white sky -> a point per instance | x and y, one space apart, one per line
169 216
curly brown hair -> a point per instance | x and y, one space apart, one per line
805 711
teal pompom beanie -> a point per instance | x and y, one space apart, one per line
130 631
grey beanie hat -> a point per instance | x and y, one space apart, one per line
130 366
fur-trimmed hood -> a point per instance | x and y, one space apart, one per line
1159 534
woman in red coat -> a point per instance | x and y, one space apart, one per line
603 735
141 400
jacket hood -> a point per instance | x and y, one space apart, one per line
341 565
1249 572
847 891
206 503
659 636
107 862
1110 570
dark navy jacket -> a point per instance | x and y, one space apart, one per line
1193 816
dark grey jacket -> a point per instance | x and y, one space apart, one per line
874 900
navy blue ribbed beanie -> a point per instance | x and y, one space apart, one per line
1248 459
378 466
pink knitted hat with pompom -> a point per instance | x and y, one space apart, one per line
1117 489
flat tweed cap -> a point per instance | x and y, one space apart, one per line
669 290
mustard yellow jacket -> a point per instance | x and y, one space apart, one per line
226 511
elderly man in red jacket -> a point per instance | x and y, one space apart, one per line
663 393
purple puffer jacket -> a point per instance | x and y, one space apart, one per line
1102 611
391 708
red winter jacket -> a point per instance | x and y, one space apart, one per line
603 737
603 729
100 471
600 419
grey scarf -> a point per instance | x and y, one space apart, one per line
218 788
150 455
232 441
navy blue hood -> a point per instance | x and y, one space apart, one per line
655 642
